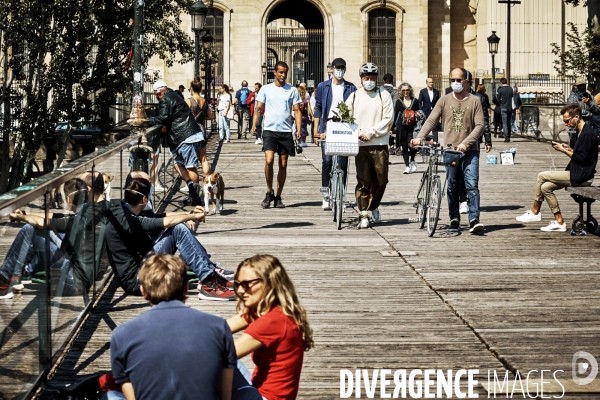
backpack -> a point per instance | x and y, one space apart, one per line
244 92
408 118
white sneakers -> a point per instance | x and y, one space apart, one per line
363 222
555 227
407 170
376 216
530 217
413 166
326 205
463 208
158 188
258 141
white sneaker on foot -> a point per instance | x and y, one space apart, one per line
413 166
555 227
530 217
407 170
258 141
159 189
326 205
463 208
184 188
376 216
363 223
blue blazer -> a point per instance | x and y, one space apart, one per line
425 104
323 99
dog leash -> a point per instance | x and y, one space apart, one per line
235 158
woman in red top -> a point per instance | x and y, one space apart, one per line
276 329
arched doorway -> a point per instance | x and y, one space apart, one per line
295 35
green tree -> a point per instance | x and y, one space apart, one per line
582 57
64 60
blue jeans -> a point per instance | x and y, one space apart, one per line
28 243
505 123
327 166
179 237
224 126
513 121
259 126
468 170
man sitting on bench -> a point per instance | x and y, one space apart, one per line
579 172
133 231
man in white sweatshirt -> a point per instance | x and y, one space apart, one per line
373 110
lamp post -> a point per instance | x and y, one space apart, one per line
137 117
493 41
198 11
264 68
329 70
207 43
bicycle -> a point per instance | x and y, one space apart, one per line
429 196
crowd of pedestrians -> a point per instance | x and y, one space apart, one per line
141 243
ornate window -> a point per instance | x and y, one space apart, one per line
214 22
382 40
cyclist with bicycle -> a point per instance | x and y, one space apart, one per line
373 110
327 97
463 122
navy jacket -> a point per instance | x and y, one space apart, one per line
425 104
323 99
585 156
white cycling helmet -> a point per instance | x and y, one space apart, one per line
368 69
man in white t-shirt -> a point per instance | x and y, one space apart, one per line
279 99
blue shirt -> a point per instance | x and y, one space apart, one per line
173 352
278 103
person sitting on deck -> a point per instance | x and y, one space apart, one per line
171 351
579 172
133 230
276 328
67 238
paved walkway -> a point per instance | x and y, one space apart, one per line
514 298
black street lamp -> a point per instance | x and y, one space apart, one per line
198 11
264 68
207 43
493 41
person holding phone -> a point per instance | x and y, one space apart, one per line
580 96
579 172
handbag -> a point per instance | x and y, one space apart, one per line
408 118
452 158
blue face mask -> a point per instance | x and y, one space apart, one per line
457 87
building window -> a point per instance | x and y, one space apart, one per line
214 22
382 40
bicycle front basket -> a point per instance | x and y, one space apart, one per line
342 139
340 149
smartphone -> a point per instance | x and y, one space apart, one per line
586 95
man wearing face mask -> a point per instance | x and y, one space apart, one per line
373 110
579 172
327 96
580 96
463 121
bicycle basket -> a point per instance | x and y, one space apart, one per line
342 139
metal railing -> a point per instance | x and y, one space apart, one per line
66 263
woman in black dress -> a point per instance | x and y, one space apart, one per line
403 127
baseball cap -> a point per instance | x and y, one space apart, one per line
338 62
159 85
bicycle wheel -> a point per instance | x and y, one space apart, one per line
435 202
339 199
420 202
333 194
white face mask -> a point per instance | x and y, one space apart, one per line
369 85
339 73
457 87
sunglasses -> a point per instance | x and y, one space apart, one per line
246 285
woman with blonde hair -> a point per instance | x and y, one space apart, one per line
276 328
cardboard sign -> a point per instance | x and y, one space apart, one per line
342 132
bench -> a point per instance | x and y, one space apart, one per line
586 195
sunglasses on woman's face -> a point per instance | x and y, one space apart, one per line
246 285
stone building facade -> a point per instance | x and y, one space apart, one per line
409 38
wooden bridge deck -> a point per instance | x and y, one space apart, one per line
513 298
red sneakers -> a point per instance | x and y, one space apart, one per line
216 288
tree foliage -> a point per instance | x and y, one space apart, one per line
64 60
582 57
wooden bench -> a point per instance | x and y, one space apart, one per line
586 195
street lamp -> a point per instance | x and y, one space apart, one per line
493 41
207 43
198 11
264 67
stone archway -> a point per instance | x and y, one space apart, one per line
294 26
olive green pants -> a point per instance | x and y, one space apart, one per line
371 175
